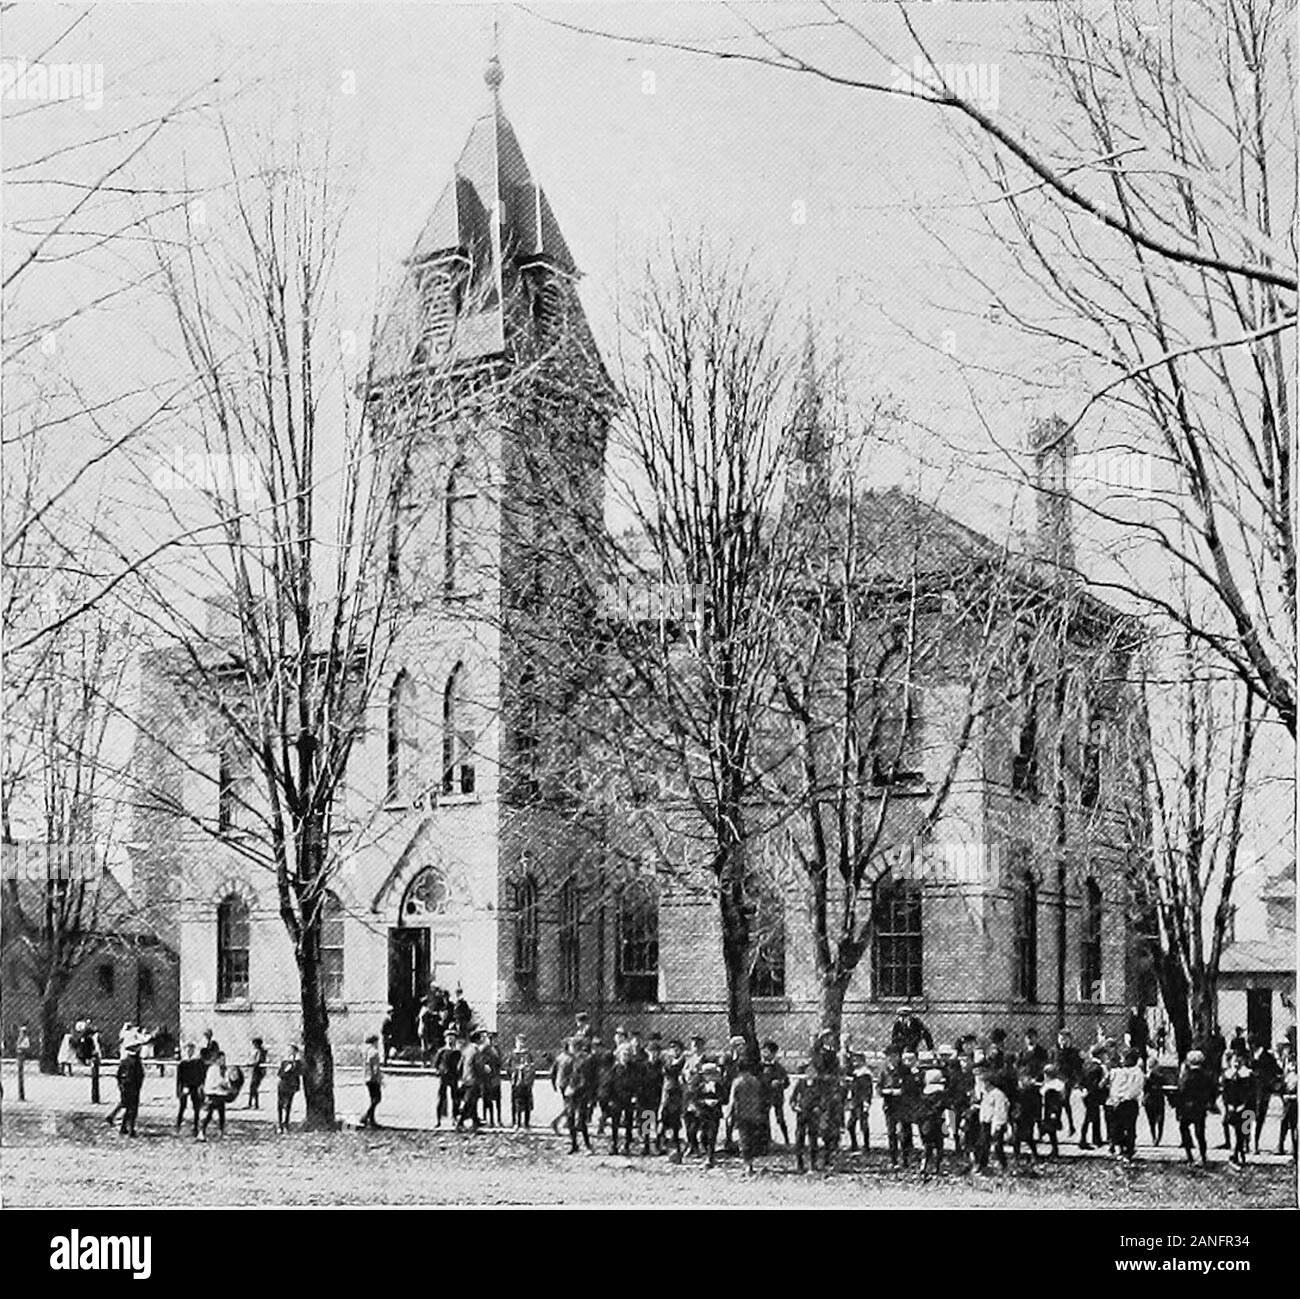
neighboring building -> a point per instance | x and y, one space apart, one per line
127 974
471 876
1257 978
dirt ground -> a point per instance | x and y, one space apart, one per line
56 1155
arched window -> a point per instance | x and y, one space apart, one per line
570 940
331 941
232 949
767 978
1024 935
457 737
527 934
1090 986
397 737
1024 758
456 506
426 895
896 950
636 943
895 751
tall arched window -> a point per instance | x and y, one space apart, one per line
636 943
895 750
397 737
456 506
232 949
1024 935
1024 757
570 940
332 948
767 978
896 951
1090 987
457 736
527 934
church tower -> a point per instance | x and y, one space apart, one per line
485 348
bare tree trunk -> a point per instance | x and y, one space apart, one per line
737 953
835 987
51 1025
317 1053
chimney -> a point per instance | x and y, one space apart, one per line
1052 442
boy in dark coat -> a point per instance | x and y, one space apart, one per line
446 1064
1196 1093
130 1081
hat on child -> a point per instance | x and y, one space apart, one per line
933 1081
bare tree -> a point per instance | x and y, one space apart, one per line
1191 771
1157 219
700 454
309 477
60 811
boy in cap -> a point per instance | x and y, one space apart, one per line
1195 1094
256 1072
690 1067
672 1099
1028 1113
891 1098
775 1081
522 1074
859 1089
373 1072
130 1081
1054 1094
1093 1082
995 1113
189 1086
934 1101
446 1065
288 1080
704 1099
1238 1089
574 1081
490 1072
746 1113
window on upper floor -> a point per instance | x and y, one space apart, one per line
895 724
398 739
457 736
1024 756
458 502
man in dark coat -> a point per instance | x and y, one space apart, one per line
909 1032
130 1081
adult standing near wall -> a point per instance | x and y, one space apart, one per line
910 1032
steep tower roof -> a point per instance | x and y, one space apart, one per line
491 221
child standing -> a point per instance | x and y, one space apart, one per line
933 1103
671 1102
256 1072
1153 1102
861 1088
747 1114
446 1064
1029 1112
1238 1106
522 1074
1093 1082
288 1080
704 1102
1054 1107
1125 1091
775 1081
373 1072
995 1112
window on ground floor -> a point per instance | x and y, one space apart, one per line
570 941
232 949
332 948
896 951
636 944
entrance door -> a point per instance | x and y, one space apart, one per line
1259 1016
408 980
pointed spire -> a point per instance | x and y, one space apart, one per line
494 74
